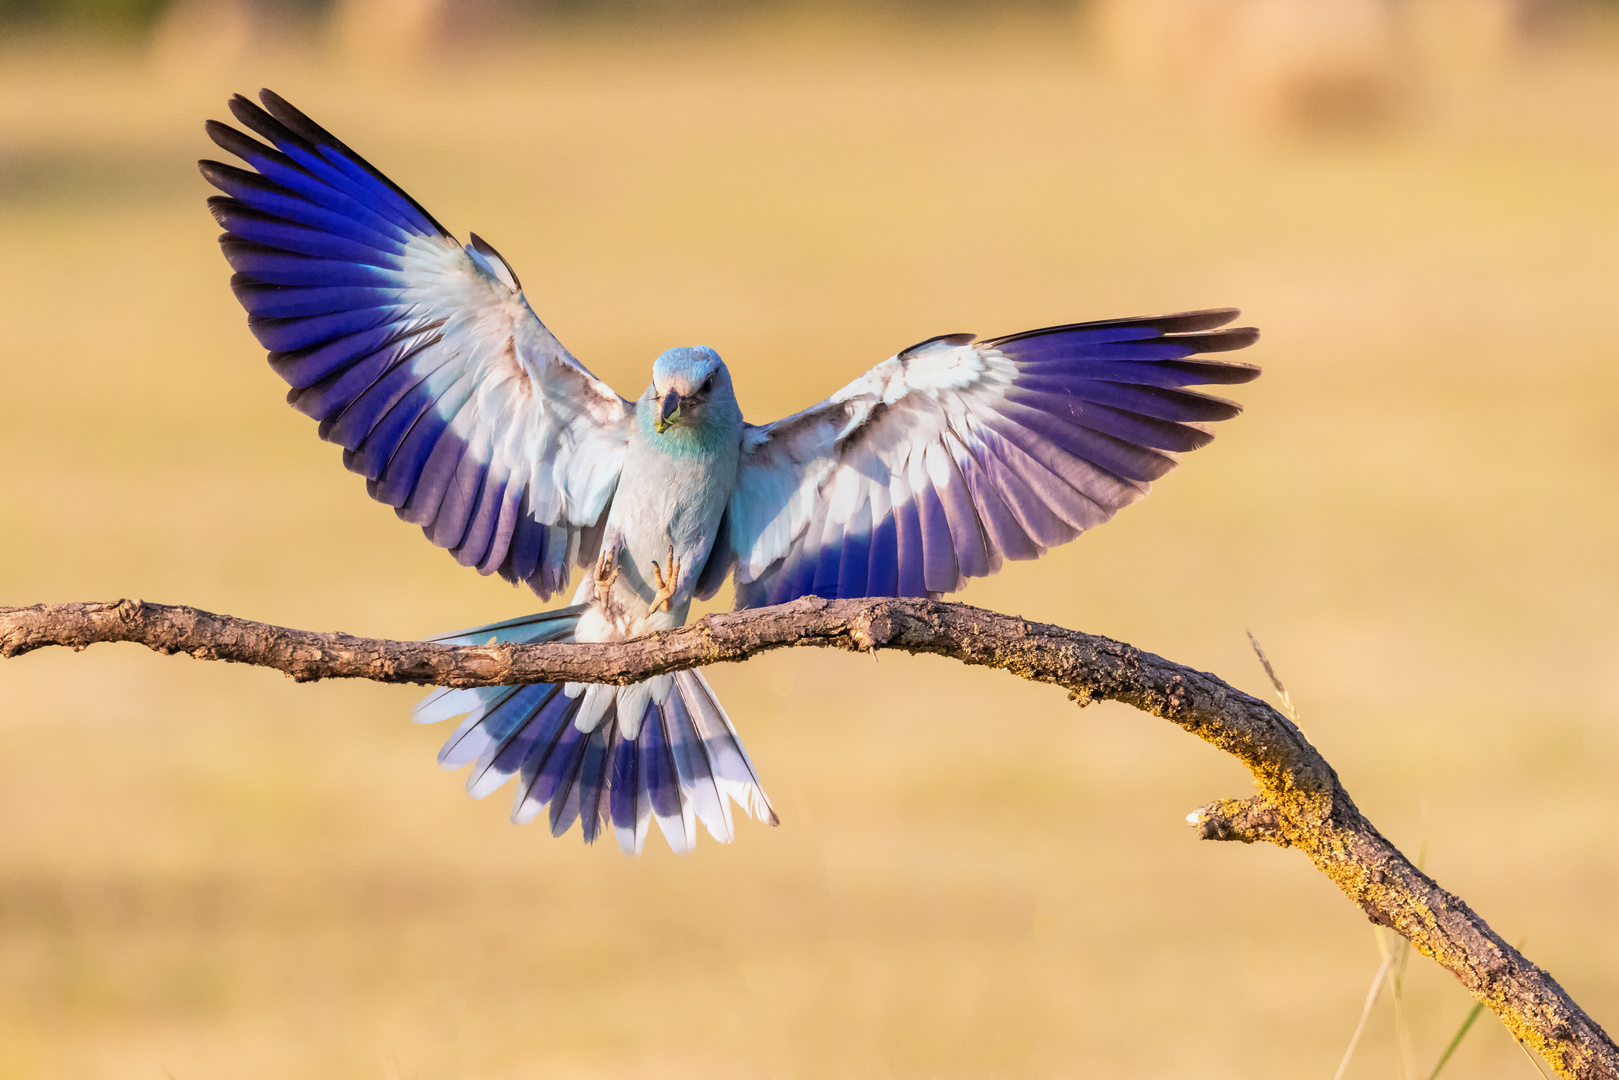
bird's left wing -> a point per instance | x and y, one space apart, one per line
421 358
954 454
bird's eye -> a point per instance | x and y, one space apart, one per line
708 384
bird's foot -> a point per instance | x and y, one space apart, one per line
666 584
606 574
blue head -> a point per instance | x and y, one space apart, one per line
692 390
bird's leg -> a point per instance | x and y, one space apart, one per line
606 574
666 585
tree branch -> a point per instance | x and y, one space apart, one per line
1300 801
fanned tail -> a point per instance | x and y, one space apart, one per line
678 761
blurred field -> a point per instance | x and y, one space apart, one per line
209 871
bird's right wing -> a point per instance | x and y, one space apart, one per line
421 358
955 454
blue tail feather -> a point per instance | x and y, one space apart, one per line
586 797
682 767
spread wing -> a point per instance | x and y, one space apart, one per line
421 358
951 456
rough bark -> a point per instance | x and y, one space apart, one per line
1300 801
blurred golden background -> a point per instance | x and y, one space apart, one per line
211 871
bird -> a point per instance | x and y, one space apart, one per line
421 357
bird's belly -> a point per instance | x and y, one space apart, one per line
655 515
661 504
675 506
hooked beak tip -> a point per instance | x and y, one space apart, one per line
668 412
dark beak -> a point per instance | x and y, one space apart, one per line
668 412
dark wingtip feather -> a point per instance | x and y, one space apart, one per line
228 138
1223 372
949 339
255 118
1180 322
220 206
216 173
292 120
487 250
288 116
1191 321
225 177
251 151
1229 339
1206 318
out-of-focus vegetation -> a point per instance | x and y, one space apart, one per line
126 14
123 15
109 14
211 871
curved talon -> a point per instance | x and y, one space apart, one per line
666 585
606 574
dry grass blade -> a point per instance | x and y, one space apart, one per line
1275 680
1456 1039
1401 953
1534 1059
1371 995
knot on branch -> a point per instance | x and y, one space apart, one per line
872 629
1246 820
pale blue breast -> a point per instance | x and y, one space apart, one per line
673 490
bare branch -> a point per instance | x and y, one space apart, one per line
1300 801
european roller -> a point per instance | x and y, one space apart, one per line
423 360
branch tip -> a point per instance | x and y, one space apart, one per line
1246 821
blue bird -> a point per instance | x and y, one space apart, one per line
422 359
